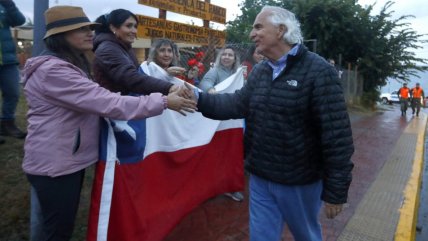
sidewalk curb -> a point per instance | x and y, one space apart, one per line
388 209
406 228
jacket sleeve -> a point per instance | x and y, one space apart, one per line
226 106
66 86
209 80
121 70
14 16
332 120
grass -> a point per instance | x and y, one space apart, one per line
15 189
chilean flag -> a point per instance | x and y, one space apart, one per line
153 172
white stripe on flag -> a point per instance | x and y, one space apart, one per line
171 131
107 187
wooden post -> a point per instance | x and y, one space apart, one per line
162 14
207 22
39 25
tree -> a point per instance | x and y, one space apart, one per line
238 30
389 50
380 46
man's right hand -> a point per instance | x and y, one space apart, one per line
180 104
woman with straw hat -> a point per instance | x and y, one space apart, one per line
63 117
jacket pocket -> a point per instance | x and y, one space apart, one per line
76 144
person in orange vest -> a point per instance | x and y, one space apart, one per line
417 94
403 95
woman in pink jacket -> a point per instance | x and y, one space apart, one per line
65 106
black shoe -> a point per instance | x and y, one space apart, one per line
8 128
2 140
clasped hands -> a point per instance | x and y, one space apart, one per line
181 99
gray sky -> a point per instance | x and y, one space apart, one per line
417 8
94 8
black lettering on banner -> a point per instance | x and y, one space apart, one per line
154 33
160 28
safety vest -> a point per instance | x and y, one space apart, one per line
417 92
403 92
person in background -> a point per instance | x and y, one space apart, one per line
298 146
226 64
164 53
417 95
64 112
252 58
115 65
10 16
192 75
403 95
339 71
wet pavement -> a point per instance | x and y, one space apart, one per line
375 136
422 223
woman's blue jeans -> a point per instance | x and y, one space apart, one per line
9 85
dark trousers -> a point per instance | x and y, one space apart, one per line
404 103
59 200
9 86
416 105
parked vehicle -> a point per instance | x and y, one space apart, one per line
389 98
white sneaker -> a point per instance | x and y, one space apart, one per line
237 196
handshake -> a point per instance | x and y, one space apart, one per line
182 99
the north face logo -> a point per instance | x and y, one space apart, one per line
292 82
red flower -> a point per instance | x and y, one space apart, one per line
192 62
195 62
199 55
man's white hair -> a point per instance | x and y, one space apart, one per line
280 16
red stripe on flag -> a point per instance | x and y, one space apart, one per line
152 196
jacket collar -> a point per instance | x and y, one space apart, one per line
102 37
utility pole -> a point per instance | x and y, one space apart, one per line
314 46
39 25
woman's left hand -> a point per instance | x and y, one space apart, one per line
175 70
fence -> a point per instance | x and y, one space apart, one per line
352 83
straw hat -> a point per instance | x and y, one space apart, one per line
60 19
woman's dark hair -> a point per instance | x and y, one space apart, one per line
116 18
59 46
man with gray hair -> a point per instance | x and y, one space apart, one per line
298 138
